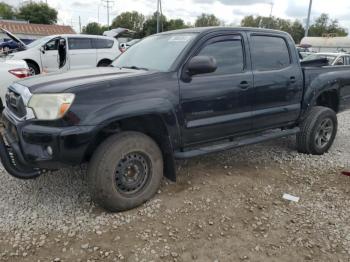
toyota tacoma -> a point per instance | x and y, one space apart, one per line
173 95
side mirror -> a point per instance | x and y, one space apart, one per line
42 49
201 65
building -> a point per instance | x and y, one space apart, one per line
327 44
27 31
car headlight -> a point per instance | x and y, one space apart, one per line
50 106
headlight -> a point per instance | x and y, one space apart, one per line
50 106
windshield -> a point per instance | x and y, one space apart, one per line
40 41
330 58
156 52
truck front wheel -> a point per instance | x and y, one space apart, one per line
318 131
125 171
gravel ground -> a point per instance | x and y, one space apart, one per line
225 207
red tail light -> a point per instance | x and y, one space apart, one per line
20 72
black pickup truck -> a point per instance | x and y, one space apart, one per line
173 95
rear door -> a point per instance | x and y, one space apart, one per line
81 52
278 81
216 105
105 49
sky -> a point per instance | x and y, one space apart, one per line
230 11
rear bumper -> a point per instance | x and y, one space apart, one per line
38 147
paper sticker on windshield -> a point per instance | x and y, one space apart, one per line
180 38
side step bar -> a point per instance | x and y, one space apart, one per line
234 144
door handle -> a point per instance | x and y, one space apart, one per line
292 80
244 85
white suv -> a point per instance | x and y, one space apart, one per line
52 53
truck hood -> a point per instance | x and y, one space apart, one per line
59 82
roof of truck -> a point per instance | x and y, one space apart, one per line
223 28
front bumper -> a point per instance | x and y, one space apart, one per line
29 147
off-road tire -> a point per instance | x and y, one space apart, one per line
306 139
105 163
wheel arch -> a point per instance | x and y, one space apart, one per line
152 124
104 60
34 62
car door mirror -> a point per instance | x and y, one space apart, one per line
201 65
42 49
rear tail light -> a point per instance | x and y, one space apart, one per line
20 72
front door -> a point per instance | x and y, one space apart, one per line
278 81
49 56
216 105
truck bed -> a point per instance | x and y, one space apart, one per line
316 77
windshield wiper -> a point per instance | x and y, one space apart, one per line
135 67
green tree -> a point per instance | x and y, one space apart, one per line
324 25
94 29
250 21
175 24
150 25
294 28
38 13
6 11
297 31
207 20
130 20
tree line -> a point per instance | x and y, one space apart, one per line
144 26
36 13
41 13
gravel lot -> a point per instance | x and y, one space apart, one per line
225 207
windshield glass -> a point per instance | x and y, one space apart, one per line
157 52
330 58
40 41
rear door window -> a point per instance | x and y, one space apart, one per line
103 43
269 53
79 43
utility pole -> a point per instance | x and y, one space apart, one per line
272 4
308 20
159 14
98 14
108 6
79 25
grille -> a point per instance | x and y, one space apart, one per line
14 102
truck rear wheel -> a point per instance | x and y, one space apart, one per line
318 131
125 171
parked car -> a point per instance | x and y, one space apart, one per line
9 45
172 96
303 55
51 53
334 59
10 71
